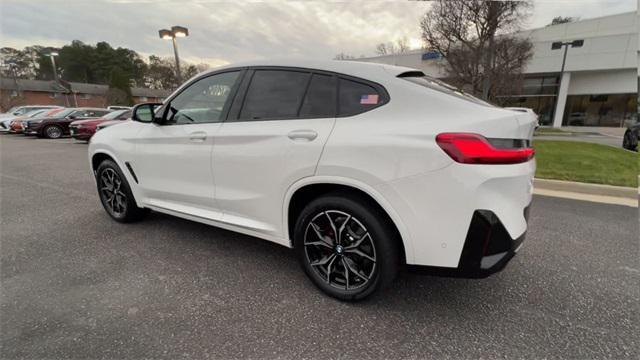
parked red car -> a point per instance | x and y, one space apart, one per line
57 125
84 129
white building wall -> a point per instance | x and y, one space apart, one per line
607 63
603 82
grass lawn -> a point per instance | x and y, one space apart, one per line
585 162
550 131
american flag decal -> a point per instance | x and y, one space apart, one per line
369 99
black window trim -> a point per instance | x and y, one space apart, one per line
227 104
240 96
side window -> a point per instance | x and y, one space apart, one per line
320 100
203 101
356 97
274 94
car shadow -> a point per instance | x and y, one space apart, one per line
412 289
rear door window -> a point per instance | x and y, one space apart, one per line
274 94
320 100
357 97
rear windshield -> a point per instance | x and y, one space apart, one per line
441 86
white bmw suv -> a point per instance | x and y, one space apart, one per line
361 168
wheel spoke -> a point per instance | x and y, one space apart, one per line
316 229
355 271
323 261
333 226
360 253
329 269
319 243
344 224
346 274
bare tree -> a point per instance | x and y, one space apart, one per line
343 56
392 48
476 39
402 45
381 49
562 20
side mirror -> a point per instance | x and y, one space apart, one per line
144 112
72 117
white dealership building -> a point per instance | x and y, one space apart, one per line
600 83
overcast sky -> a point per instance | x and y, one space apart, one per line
229 31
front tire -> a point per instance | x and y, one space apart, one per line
115 194
347 248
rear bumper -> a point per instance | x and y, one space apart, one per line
488 248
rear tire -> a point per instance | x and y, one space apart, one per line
52 132
346 247
115 194
630 142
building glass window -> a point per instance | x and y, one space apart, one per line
600 110
542 105
539 93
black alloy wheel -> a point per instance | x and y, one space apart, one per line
346 246
115 194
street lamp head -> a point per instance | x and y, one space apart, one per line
165 34
577 43
556 45
179 31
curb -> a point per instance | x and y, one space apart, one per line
590 192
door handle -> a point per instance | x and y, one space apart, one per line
198 136
306 135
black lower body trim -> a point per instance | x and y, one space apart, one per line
133 174
487 248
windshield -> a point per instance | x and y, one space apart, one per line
64 113
114 114
36 113
441 86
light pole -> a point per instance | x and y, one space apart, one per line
52 56
175 32
560 102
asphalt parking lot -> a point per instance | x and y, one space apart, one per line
75 284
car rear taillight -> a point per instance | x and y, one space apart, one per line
468 148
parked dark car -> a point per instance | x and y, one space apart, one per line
84 129
631 136
58 125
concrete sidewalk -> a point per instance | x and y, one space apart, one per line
607 194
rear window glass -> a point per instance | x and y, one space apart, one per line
320 100
356 97
441 86
274 94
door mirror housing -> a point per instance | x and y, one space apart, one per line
144 112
